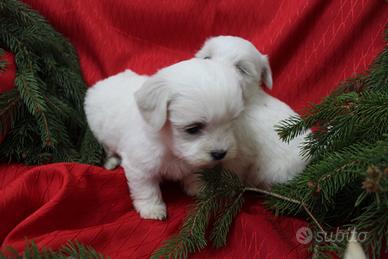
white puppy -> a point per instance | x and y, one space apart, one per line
168 125
263 158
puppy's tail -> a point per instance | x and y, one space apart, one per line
112 162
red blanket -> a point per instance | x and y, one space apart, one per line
312 45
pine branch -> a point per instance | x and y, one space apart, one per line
3 63
346 183
72 84
288 199
291 128
220 201
48 124
78 250
338 120
191 238
91 151
323 183
35 31
29 86
9 105
222 225
374 221
70 250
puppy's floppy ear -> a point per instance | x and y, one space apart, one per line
259 71
266 73
152 100
247 68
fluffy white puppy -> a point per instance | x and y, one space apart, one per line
263 158
168 125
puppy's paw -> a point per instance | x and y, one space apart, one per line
153 211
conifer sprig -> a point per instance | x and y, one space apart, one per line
220 200
346 184
3 63
72 249
42 118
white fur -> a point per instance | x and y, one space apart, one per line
143 120
263 159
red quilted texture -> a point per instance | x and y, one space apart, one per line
313 45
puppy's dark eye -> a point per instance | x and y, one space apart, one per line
207 57
194 129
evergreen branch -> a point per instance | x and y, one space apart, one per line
35 31
9 104
72 249
49 124
291 128
222 197
23 134
3 63
29 91
282 197
72 84
377 77
367 109
64 111
324 180
78 250
24 13
91 151
191 237
294 126
345 183
29 86
326 250
342 168
374 222
338 119
222 225
220 188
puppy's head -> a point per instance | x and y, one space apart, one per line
193 104
252 66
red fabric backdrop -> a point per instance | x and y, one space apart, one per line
312 45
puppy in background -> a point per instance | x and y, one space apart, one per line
264 159
168 125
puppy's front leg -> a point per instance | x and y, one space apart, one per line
145 192
147 198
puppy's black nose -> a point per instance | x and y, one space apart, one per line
218 154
